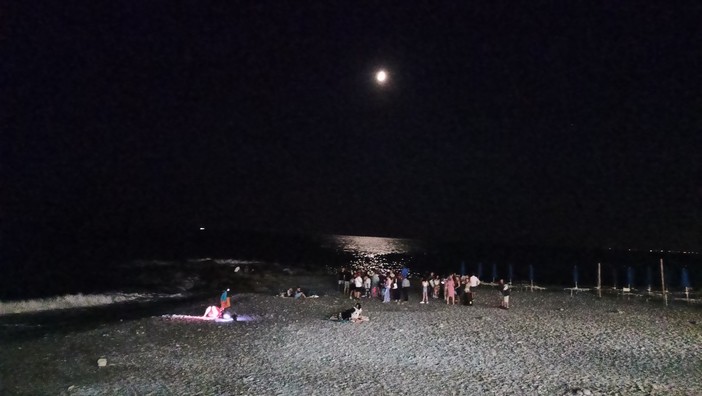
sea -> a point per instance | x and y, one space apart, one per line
83 269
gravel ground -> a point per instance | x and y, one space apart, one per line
548 343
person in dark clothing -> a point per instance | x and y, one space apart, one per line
405 289
504 290
347 282
340 278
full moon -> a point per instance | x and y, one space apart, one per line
381 76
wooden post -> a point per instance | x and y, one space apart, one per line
599 280
665 296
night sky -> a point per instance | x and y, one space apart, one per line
563 123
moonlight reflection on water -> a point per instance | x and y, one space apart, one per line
371 253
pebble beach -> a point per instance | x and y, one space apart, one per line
548 343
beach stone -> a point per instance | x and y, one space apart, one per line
102 362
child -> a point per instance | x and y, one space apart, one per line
504 289
425 291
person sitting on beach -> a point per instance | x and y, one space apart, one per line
351 315
299 294
212 312
288 293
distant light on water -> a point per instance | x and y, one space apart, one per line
202 228
373 246
373 252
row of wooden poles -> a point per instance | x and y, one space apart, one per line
599 282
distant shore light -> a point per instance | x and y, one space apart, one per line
202 228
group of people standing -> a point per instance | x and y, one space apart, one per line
450 288
389 286
395 286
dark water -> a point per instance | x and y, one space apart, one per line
165 260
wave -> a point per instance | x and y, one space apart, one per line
77 301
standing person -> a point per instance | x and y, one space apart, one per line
425 291
367 286
386 290
375 281
405 289
357 286
467 294
224 301
457 285
340 278
395 290
450 291
437 286
504 290
347 282
473 282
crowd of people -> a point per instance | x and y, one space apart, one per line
388 286
395 286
